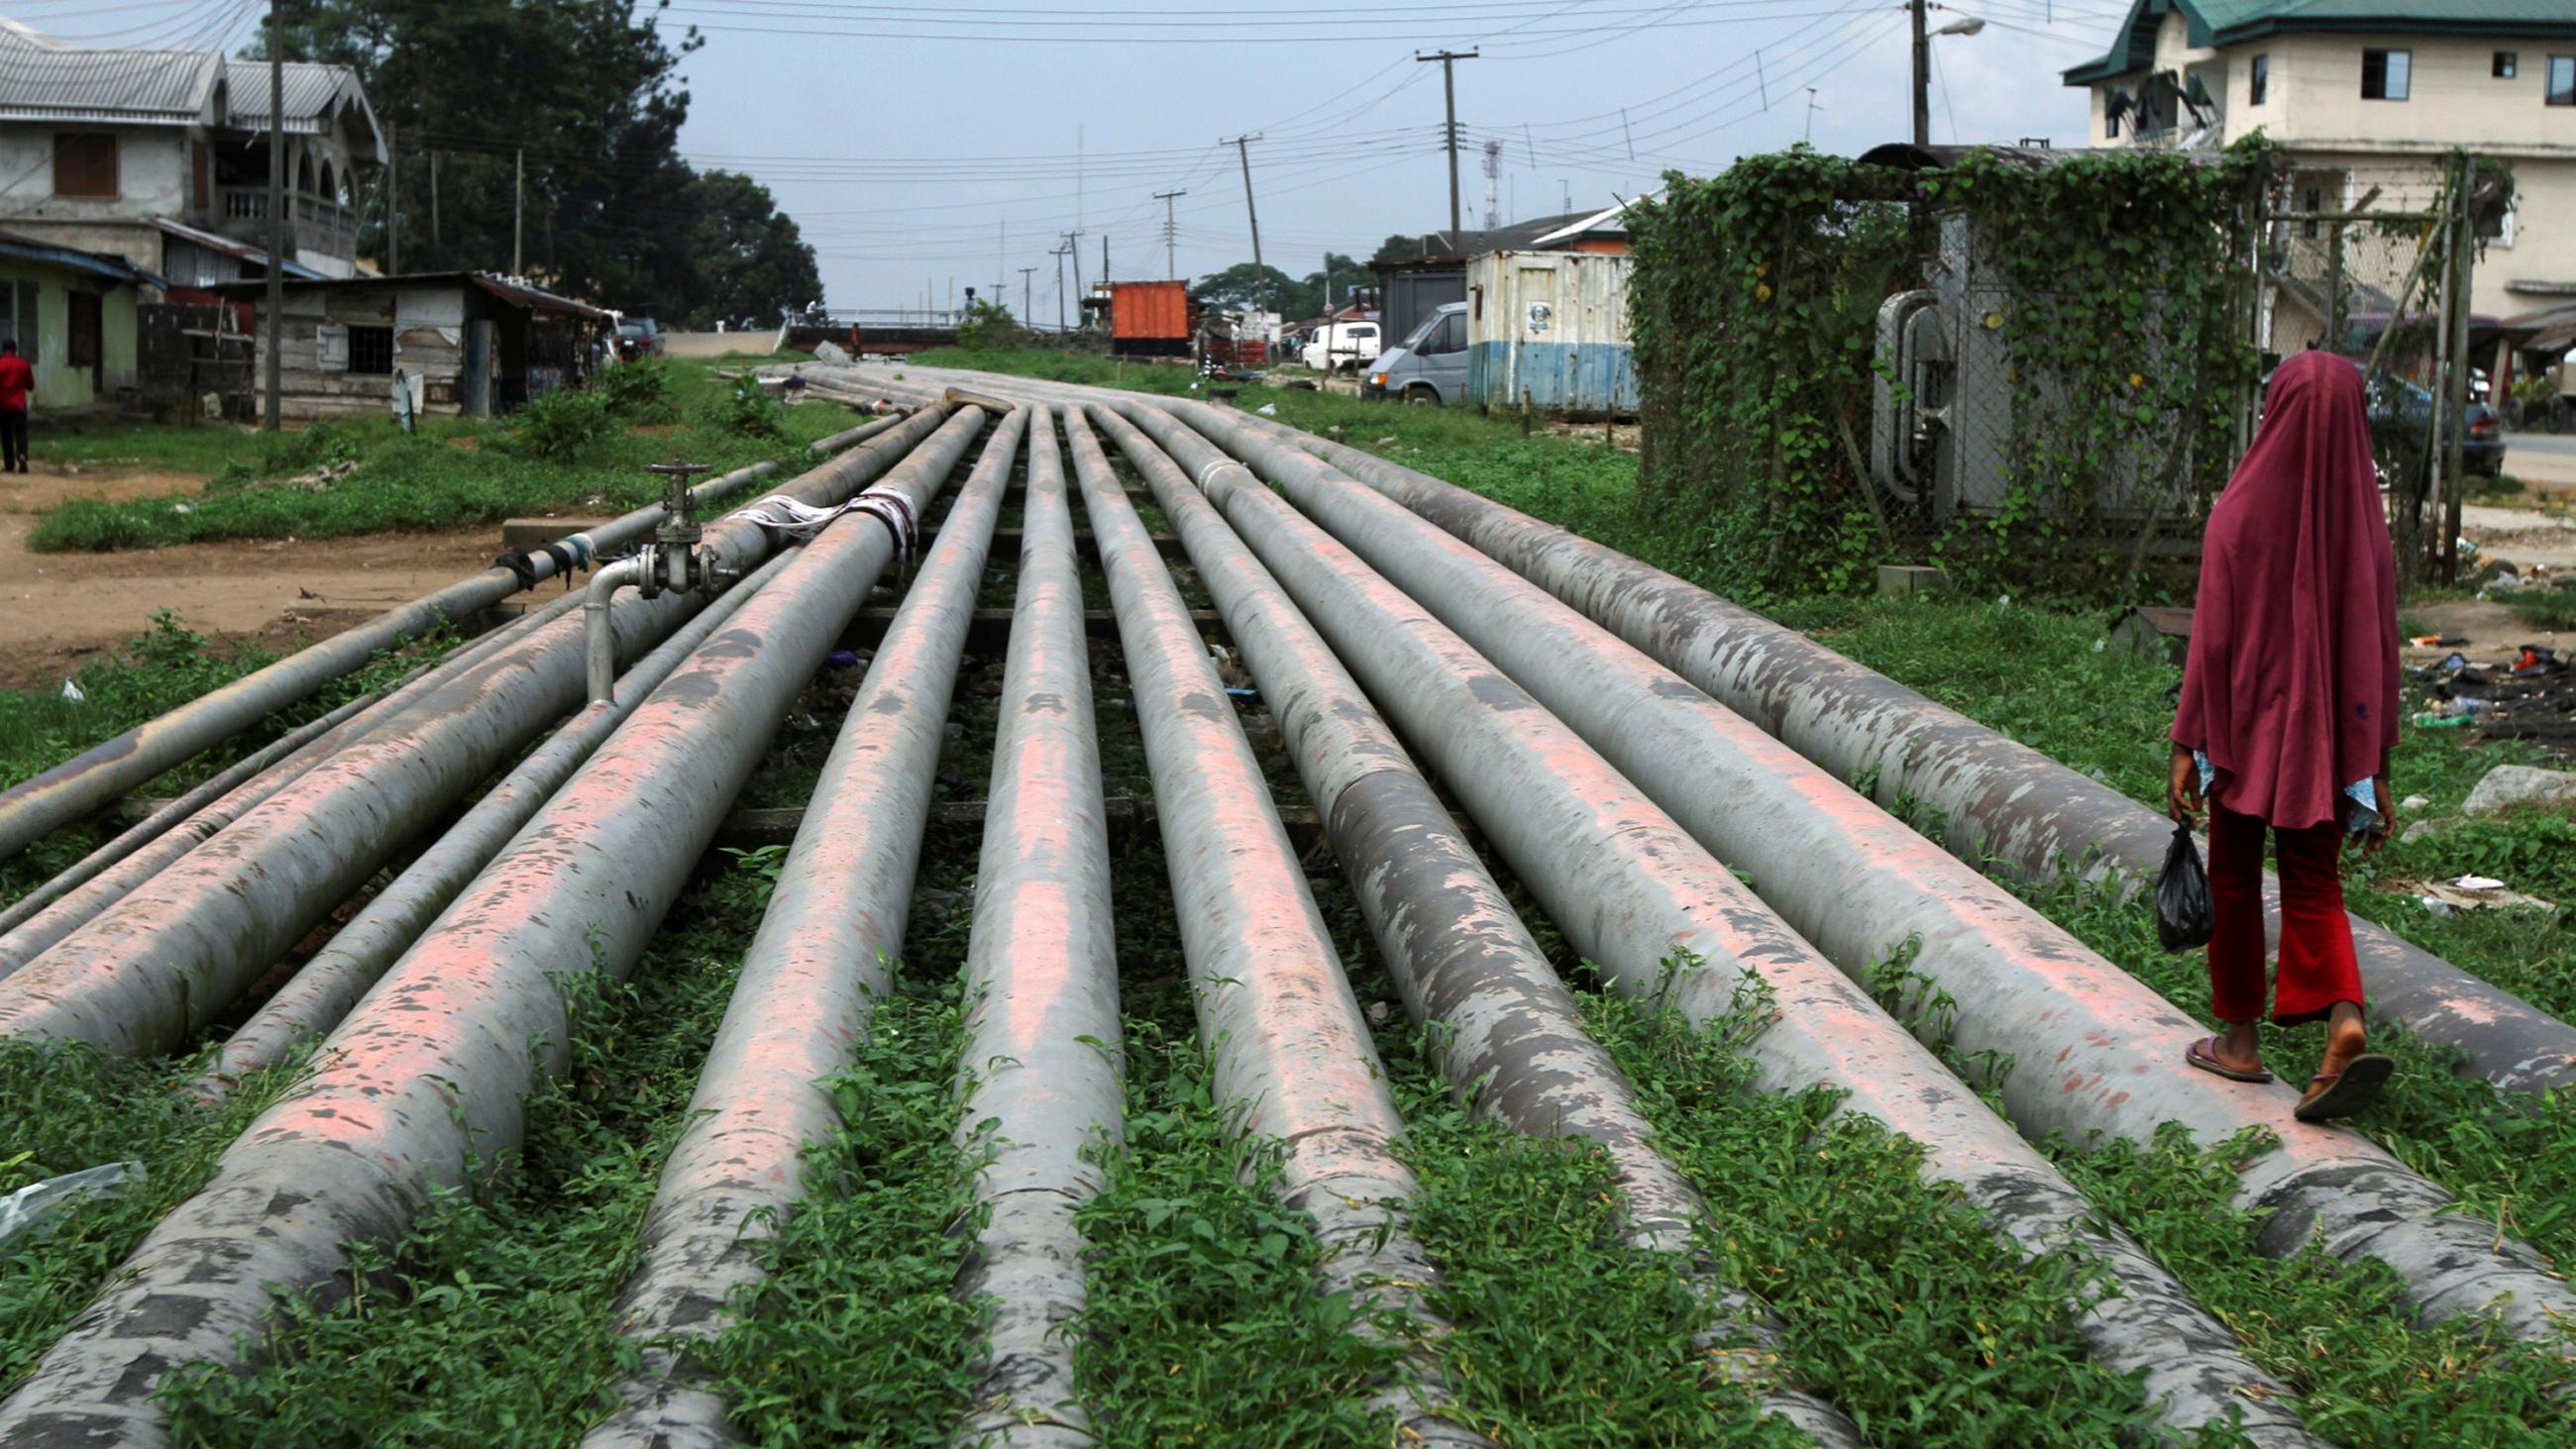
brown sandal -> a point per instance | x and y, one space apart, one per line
2333 1095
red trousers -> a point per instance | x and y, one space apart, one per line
2317 966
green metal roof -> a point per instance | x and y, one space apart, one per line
2226 22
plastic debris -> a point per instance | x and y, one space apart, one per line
1268 410
33 1206
73 693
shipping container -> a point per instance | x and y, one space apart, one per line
1149 319
1551 329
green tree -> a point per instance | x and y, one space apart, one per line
1396 248
1333 284
1244 287
588 92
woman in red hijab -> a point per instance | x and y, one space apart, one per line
2289 711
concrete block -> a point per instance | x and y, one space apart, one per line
1905 581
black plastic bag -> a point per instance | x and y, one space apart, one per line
2183 916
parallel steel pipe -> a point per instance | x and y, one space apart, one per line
1669 923
2099 1053
92 780
324 988
825 953
1285 1039
1042 1063
1510 1033
2003 801
78 907
433 1068
166 960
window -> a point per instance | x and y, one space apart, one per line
1452 336
199 164
2507 65
84 163
2386 74
83 348
25 330
2562 80
371 350
2261 80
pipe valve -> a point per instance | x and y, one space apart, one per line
671 562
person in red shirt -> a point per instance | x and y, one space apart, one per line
17 380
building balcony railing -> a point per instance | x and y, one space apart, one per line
313 224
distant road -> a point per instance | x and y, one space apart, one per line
718 344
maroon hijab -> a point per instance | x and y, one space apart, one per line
2291 689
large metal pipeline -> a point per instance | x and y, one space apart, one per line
1042 1060
162 963
1669 923
1287 1045
825 953
2098 1052
1509 1032
432 1070
324 988
78 907
2003 801
92 780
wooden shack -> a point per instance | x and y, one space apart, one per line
459 343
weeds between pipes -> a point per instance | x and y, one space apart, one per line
65 1108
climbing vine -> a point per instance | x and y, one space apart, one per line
2115 284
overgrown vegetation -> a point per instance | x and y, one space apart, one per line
1755 305
566 450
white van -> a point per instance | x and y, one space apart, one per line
1342 346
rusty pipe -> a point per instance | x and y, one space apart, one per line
77 908
164 961
433 1069
2098 1052
92 780
2006 803
825 952
1286 1042
1669 923
324 988
1041 1063
1454 946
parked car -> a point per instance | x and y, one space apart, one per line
1342 346
1430 366
640 337
2395 401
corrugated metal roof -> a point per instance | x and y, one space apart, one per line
212 241
517 294
42 78
27 248
311 90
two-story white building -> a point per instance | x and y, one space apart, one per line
161 157
2361 93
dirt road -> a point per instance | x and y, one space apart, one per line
57 609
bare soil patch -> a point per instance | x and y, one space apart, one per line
58 609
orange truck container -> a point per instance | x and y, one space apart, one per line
1149 319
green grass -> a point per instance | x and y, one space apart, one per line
2550 609
67 1108
451 473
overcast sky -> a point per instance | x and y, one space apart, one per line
922 145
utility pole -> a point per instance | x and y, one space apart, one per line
393 201
1242 150
1104 259
1449 84
1812 108
1171 268
276 210
437 248
1073 250
1922 74
1058 254
519 212
1025 319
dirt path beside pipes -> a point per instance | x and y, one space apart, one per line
58 609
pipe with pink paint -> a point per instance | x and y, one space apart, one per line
826 951
1041 1064
1668 922
433 1069
2095 1051
92 780
164 962
2002 800
1290 1052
